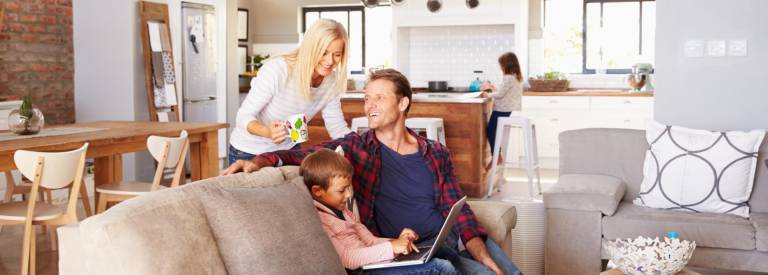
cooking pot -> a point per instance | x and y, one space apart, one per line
437 86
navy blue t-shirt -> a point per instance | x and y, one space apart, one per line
406 197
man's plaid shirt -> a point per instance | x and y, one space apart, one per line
364 152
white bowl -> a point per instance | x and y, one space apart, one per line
650 256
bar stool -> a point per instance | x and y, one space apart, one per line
529 147
432 125
360 124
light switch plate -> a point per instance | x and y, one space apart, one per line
737 47
716 48
694 48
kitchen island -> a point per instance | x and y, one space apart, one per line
464 120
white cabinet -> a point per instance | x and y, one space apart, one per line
555 114
454 13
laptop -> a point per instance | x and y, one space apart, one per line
426 252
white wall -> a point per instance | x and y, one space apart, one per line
109 65
716 93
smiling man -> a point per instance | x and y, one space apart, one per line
402 179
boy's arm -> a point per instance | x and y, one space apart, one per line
355 257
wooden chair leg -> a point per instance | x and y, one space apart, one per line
86 200
32 255
25 248
102 203
53 237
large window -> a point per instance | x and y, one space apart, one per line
603 36
369 31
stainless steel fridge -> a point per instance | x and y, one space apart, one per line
199 64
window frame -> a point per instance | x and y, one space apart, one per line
348 9
584 69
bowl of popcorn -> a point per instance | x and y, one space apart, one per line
644 255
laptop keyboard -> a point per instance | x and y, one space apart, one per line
412 256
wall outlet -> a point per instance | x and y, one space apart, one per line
716 48
694 48
737 47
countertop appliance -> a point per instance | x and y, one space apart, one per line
640 78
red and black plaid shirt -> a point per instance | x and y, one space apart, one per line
364 152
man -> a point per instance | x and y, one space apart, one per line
402 179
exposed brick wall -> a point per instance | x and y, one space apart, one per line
36 55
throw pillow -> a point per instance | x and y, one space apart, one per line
270 230
698 170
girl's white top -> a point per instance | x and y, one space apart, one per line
273 96
508 96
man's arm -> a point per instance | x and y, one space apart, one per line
287 157
476 248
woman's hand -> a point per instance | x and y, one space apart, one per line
279 133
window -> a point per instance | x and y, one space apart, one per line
606 36
365 50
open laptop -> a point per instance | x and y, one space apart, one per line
427 252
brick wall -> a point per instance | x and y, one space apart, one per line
36 55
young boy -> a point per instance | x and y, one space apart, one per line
328 176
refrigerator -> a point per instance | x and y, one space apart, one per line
199 64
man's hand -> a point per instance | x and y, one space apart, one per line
476 247
247 166
408 234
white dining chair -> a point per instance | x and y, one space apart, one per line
169 152
50 171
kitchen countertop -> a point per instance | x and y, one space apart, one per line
425 97
593 92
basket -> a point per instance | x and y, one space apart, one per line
543 85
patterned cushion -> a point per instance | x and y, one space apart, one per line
699 171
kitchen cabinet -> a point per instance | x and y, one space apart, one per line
555 114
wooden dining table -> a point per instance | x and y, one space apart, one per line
114 138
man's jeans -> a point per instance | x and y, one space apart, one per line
464 262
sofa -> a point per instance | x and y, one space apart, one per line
179 230
600 175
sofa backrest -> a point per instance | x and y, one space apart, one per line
621 153
164 232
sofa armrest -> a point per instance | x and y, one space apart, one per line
586 192
71 252
497 217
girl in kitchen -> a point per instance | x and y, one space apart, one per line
307 80
507 97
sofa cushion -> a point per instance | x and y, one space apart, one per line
707 229
586 193
698 170
272 230
162 232
760 221
497 217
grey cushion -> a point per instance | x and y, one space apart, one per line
707 229
760 221
270 230
497 217
585 192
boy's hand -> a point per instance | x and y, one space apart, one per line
401 246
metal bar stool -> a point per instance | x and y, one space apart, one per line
531 162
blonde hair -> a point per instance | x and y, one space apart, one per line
303 60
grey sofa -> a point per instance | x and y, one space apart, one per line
170 231
600 175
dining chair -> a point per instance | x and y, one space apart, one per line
169 152
50 171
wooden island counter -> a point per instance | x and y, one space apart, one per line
464 121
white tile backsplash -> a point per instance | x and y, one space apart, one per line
451 53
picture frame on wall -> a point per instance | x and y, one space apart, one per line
242 25
242 53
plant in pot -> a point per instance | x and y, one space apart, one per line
26 120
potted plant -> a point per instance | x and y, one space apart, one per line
550 82
26 120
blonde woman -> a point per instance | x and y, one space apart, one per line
308 80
